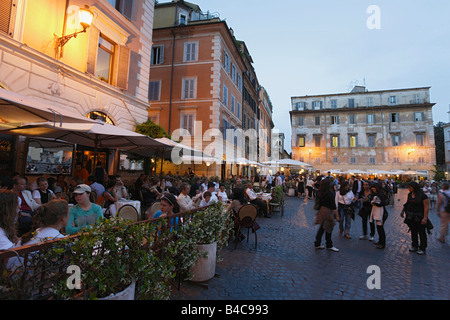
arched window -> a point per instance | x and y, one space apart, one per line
97 115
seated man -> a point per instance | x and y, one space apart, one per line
211 189
262 206
184 200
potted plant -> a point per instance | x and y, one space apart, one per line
117 261
209 229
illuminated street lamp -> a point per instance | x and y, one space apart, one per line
86 17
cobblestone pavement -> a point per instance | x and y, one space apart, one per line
286 266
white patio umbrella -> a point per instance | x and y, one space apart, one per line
17 109
93 134
287 163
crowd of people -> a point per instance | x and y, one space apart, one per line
49 208
337 200
54 207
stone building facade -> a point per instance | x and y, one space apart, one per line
383 130
202 80
102 73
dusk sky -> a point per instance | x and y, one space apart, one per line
323 47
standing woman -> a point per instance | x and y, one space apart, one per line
365 197
301 186
326 215
417 209
344 200
377 214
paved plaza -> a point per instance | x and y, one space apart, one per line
286 266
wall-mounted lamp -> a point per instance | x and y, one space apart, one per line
86 17
410 151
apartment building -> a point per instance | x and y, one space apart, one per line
102 73
384 130
202 81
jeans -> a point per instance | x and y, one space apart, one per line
381 235
365 219
345 221
418 231
319 235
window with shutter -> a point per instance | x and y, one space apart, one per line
153 90
157 55
7 15
190 51
125 7
187 122
188 88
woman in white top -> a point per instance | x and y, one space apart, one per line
344 200
9 209
222 194
49 219
43 194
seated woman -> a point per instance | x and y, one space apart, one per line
206 199
84 213
108 199
9 212
48 222
43 194
169 206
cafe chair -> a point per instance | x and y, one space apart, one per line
128 212
155 207
246 219
277 204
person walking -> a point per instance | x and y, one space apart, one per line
344 201
442 211
326 215
377 215
416 209
365 198
300 186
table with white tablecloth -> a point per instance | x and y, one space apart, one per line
266 197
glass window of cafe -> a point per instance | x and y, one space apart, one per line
49 157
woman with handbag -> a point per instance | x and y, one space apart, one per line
417 209
378 215
365 197
344 203
326 214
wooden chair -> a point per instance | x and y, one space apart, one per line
277 204
128 212
246 219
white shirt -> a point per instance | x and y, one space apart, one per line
213 198
37 194
251 194
45 234
5 243
223 196
185 202
344 199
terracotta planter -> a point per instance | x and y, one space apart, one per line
205 267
